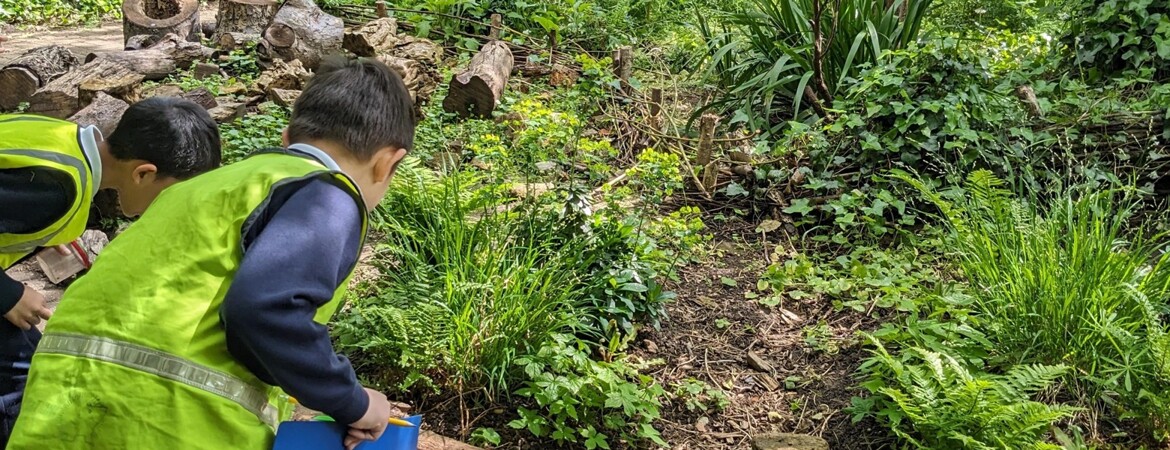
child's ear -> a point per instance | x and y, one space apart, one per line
144 173
284 138
386 162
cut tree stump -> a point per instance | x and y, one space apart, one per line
104 112
373 38
247 17
21 78
302 31
205 70
476 91
160 18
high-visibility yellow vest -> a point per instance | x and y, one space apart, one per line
34 141
135 357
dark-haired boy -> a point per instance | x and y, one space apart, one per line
49 171
215 300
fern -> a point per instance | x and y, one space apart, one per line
932 400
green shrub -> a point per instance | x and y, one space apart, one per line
765 55
58 12
494 287
594 403
1108 37
932 401
1075 282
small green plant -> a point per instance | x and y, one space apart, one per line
242 63
862 280
820 337
485 436
697 395
253 132
931 400
579 400
58 12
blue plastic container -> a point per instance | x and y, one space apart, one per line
327 435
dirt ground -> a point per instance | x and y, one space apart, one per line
82 41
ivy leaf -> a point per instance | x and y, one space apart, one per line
728 282
768 226
735 190
799 206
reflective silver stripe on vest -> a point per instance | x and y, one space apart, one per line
165 365
83 174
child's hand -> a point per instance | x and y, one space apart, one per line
29 311
371 426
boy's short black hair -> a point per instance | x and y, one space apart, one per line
174 134
359 103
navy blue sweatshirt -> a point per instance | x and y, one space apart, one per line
303 245
31 199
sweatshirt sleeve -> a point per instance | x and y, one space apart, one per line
30 199
291 266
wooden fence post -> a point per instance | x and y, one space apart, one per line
656 109
497 23
706 148
380 7
626 67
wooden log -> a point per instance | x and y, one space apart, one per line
302 31
208 28
706 148
282 75
236 41
477 90
420 80
165 57
228 112
205 70
283 97
104 112
430 441
373 38
201 96
419 49
140 42
160 18
247 17
21 78
115 73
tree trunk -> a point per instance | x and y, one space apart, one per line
104 112
21 78
301 31
477 90
373 38
248 17
161 17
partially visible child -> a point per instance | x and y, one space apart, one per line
49 171
193 324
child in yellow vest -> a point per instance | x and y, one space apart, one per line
194 324
49 171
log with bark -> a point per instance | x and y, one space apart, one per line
477 90
247 17
21 78
160 18
118 74
420 79
373 38
104 112
282 75
233 41
302 31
